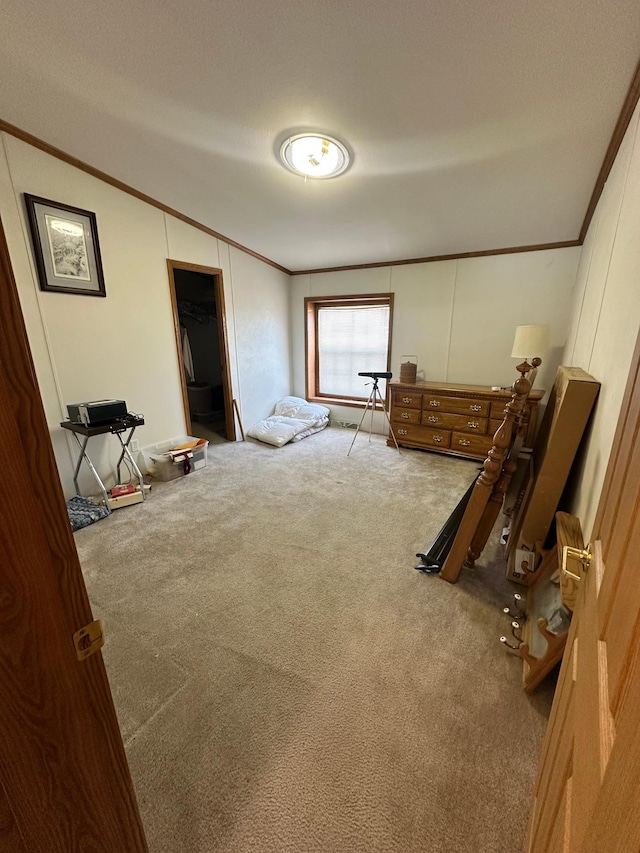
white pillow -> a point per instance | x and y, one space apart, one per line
296 407
276 430
311 430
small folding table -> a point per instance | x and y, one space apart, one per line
118 428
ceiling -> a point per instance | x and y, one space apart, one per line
475 124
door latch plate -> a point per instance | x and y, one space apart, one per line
88 639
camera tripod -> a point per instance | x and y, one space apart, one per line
374 396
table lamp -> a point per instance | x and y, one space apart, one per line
530 342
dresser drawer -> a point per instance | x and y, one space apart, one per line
406 400
464 423
478 445
411 416
423 435
458 405
494 423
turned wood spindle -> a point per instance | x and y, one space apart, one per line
472 530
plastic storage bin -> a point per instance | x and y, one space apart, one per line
200 456
159 463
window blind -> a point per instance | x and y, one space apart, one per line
351 339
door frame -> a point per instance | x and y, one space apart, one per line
221 320
64 777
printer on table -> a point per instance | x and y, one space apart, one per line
97 412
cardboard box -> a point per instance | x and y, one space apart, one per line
570 404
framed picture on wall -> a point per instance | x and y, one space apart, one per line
66 248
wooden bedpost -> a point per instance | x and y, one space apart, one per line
510 466
491 512
478 520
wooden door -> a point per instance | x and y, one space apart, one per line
64 781
588 791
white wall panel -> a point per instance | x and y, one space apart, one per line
24 271
123 345
422 315
608 321
376 280
225 265
300 288
186 243
118 346
457 316
605 228
261 298
497 293
580 288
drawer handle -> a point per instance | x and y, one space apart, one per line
464 442
476 408
403 432
473 424
407 399
406 415
434 419
434 403
437 438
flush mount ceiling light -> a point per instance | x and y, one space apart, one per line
314 155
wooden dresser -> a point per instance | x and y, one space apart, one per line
450 418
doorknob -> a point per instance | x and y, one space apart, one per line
582 555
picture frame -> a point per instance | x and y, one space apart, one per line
66 247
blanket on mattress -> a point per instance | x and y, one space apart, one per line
292 420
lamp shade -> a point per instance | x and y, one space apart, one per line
530 341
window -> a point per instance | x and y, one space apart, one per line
347 335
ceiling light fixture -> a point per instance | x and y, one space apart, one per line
314 155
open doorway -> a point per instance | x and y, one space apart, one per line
197 297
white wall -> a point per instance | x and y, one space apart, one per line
123 346
458 317
606 314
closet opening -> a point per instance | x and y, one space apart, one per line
197 297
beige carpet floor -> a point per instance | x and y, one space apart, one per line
286 682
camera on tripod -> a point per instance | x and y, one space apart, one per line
376 375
